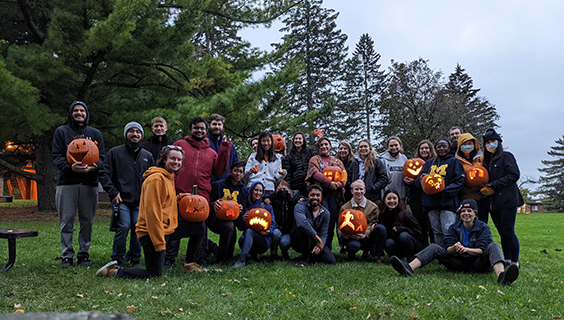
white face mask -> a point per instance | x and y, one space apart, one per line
492 146
466 148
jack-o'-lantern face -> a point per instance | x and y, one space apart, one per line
432 183
229 210
279 143
194 208
259 219
335 174
352 222
82 150
413 167
476 175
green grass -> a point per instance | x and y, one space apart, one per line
280 290
19 203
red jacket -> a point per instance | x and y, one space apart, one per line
200 163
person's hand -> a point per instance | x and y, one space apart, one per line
264 233
117 199
92 167
395 229
180 196
240 207
254 169
217 204
408 180
301 200
373 226
79 167
246 216
333 186
226 143
266 201
487 191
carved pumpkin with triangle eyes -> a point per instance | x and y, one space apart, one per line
279 143
83 150
432 183
229 210
412 168
259 219
476 175
352 222
335 174
194 208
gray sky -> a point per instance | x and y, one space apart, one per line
513 50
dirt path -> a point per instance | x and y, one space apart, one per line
31 214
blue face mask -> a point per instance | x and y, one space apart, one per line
465 148
492 147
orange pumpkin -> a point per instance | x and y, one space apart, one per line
83 150
432 183
335 174
279 143
352 222
476 175
194 208
413 167
259 219
229 210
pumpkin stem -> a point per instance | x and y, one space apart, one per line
195 190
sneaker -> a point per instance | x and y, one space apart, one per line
240 262
509 275
401 266
342 251
203 262
83 261
134 263
168 264
302 263
67 262
192 266
285 256
108 270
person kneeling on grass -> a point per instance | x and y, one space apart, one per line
157 217
469 248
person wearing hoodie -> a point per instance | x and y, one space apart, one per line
503 195
251 241
216 138
77 184
159 139
441 206
296 163
393 160
265 165
122 178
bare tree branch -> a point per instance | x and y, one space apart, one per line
19 171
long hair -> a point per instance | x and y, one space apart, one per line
488 156
370 161
294 150
386 212
261 152
398 140
350 157
432 152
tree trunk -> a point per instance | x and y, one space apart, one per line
44 166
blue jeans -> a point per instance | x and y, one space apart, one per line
285 242
504 222
257 243
441 220
127 219
465 262
404 245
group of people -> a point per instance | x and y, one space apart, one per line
146 181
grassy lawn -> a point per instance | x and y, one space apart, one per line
280 290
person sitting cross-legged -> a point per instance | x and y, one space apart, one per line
468 248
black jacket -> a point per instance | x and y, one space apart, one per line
124 175
154 146
375 180
62 138
283 206
504 174
404 221
224 189
296 165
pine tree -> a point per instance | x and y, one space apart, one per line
552 181
312 39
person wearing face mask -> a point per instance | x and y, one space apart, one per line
393 160
122 177
265 165
296 163
503 196
441 206
370 170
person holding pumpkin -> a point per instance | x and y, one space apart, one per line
333 192
373 238
256 242
393 160
370 170
469 247
441 206
503 195
229 189
403 232
296 163
425 151
265 165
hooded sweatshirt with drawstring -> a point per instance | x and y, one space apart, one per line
469 192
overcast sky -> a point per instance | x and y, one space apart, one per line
513 50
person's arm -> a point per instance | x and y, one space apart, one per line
60 151
153 209
510 173
302 221
287 165
457 181
222 161
105 175
380 176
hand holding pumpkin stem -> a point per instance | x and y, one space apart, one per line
180 196
217 204
80 167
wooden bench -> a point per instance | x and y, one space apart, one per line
12 235
6 198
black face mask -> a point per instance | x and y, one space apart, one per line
132 145
283 194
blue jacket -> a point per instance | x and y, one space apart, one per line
453 172
480 236
215 143
306 224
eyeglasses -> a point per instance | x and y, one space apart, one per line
170 146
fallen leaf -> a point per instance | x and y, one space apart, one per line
80 295
95 306
218 270
164 284
463 299
369 315
71 307
544 251
245 279
499 291
165 312
332 288
154 297
192 302
130 309
353 308
229 280
533 310
225 294
107 292
128 295
553 317
290 293
54 266
180 309
387 313
19 311
430 303
120 294
17 305
482 287
147 280
229 314
236 281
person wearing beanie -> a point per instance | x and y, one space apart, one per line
469 247
502 194
122 178
77 184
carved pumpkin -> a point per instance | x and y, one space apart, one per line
476 175
352 222
432 183
83 150
335 174
194 208
279 143
259 219
413 167
229 210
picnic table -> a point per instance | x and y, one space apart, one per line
12 235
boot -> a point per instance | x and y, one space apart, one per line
240 262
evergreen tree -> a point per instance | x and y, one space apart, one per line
552 181
312 39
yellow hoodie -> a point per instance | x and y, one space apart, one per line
158 212
469 192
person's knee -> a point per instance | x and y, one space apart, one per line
404 237
352 246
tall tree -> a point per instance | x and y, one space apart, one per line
552 179
313 39
363 84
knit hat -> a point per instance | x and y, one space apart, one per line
468 203
133 124
491 135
